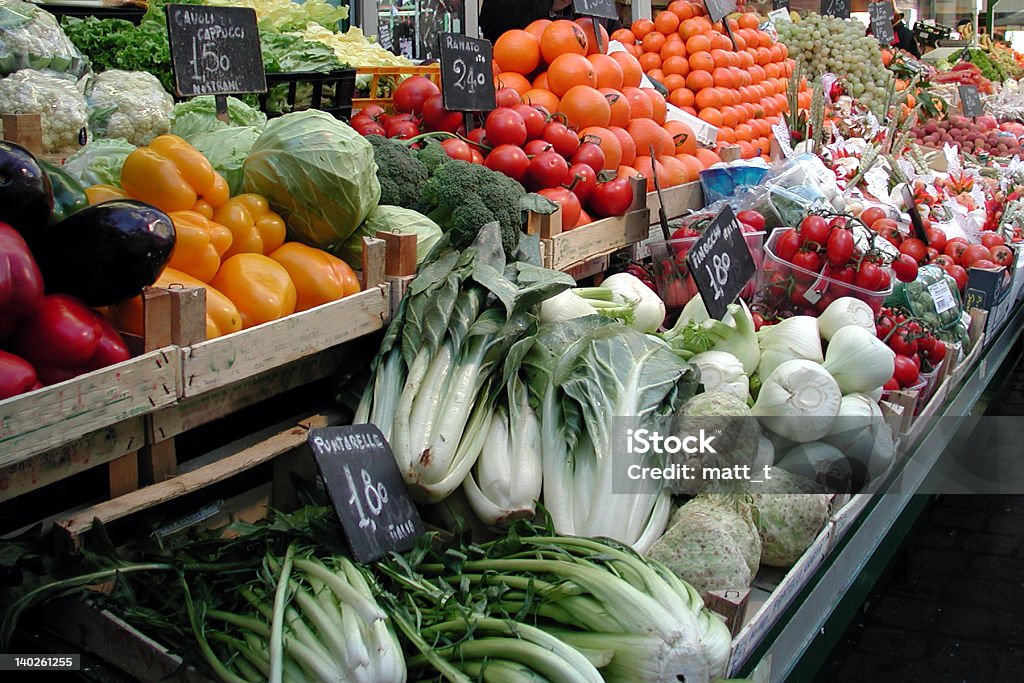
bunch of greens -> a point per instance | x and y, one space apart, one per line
286 15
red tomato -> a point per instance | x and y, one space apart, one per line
412 94
458 149
590 154
1002 255
872 214
959 274
902 342
507 97
991 239
787 244
581 179
840 247
914 248
937 352
372 110
505 127
478 158
533 118
905 268
752 218
843 277
547 169
936 238
809 261
883 326
403 130
568 201
535 147
973 253
906 372
869 277
565 141
510 160
931 254
955 248
814 229
942 261
478 136
984 264
370 127
612 198
436 117
891 385
888 229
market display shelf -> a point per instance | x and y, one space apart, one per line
786 633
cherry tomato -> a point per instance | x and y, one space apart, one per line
564 140
937 352
612 198
992 239
814 229
840 247
590 154
837 223
505 127
974 253
809 261
581 179
884 279
796 295
510 160
533 118
955 248
458 149
843 277
788 244
872 214
412 94
676 295
752 218
906 372
478 136
1002 255
547 169
436 117
883 326
959 275
568 201
936 239
869 276
889 230
905 268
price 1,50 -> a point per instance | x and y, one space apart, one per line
371 498
206 58
467 77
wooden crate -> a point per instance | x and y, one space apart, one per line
586 249
397 73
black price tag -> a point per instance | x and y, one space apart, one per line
367 490
720 263
467 77
215 50
880 15
595 8
780 4
915 215
719 9
970 101
836 8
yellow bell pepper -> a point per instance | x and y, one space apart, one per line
259 286
97 194
172 175
199 245
319 277
203 207
255 228
222 317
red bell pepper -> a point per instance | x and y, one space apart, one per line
66 338
21 283
16 376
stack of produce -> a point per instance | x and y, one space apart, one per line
981 134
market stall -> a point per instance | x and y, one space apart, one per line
316 358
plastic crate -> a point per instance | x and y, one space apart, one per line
397 74
339 105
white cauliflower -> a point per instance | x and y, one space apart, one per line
31 38
56 99
130 105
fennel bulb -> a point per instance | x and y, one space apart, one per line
861 433
733 334
649 311
799 401
795 337
858 360
819 462
722 371
844 311
765 454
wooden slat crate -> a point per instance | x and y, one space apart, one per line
397 73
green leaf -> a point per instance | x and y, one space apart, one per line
536 203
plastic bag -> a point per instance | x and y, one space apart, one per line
933 297
31 38
130 105
58 101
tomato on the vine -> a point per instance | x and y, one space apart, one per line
796 295
937 352
505 127
869 276
788 244
752 218
936 239
1002 255
581 179
840 247
814 229
758 321
533 118
458 149
906 372
809 261
436 117
564 140
547 169
905 268
478 136
843 277
902 342
612 198
872 214
883 326
568 201
403 130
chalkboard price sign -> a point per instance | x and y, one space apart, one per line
880 15
836 8
595 8
215 50
970 101
719 9
467 80
366 489
721 263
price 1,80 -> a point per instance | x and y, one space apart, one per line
206 58
467 77
718 273
371 498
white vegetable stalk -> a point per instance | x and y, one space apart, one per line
799 400
843 312
793 338
722 371
861 433
584 301
650 309
819 462
858 360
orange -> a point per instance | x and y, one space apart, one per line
675 169
626 144
708 97
746 60
607 141
698 43
562 37
776 51
650 61
570 70
723 79
748 20
711 116
682 135
658 105
632 72
587 24
707 157
653 42
741 42
689 28
627 172
720 41
682 97
624 36
656 75
675 65
584 106
609 73
536 28
541 81
698 80
746 149
765 39
517 51
689 110
785 51
674 82
730 117
726 135
518 82
772 70
764 56
641 27
619 107
744 132
721 57
666 22
639 103
698 9
673 48
681 9
632 49
701 61
693 166
648 168
646 133
542 98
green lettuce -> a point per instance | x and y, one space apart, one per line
227 148
99 162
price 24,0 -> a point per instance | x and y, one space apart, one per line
467 77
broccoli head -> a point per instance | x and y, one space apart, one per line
462 197
433 155
400 173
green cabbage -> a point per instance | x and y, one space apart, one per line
227 148
99 162
199 115
391 219
316 172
